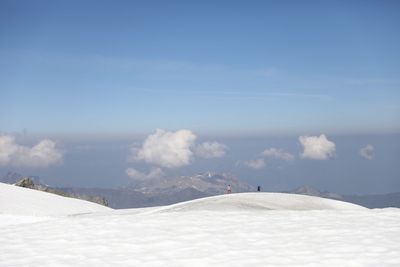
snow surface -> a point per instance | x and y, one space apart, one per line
17 200
262 201
252 229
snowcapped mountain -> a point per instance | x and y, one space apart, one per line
208 183
167 190
152 192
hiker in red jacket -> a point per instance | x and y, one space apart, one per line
229 189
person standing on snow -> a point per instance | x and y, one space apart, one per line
229 189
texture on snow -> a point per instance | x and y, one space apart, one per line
262 201
249 229
23 201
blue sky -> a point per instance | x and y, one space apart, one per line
79 71
214 67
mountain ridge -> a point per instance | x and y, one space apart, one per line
169 190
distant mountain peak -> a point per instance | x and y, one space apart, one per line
14 177
209 183
307 190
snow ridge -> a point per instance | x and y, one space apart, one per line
261 201
28 202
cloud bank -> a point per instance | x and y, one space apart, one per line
317 147
277 154
41 155
209 150
367 152
167 149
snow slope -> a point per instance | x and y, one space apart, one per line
262 201
16 200
257 229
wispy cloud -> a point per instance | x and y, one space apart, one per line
148 68
277 154
367 152
371 81
209 150
255 163
302 95
241 94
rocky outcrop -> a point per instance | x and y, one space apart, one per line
27 182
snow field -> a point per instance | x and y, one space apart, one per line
208 238
251 229
28 202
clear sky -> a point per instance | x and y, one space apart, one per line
87 69
210 66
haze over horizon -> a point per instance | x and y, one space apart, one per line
281 94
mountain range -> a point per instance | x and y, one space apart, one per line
153 192
165 191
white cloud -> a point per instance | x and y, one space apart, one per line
367 152
255 163
42 154
166 149
137 175
278 154
209 150
318 148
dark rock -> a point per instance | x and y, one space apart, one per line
27 182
